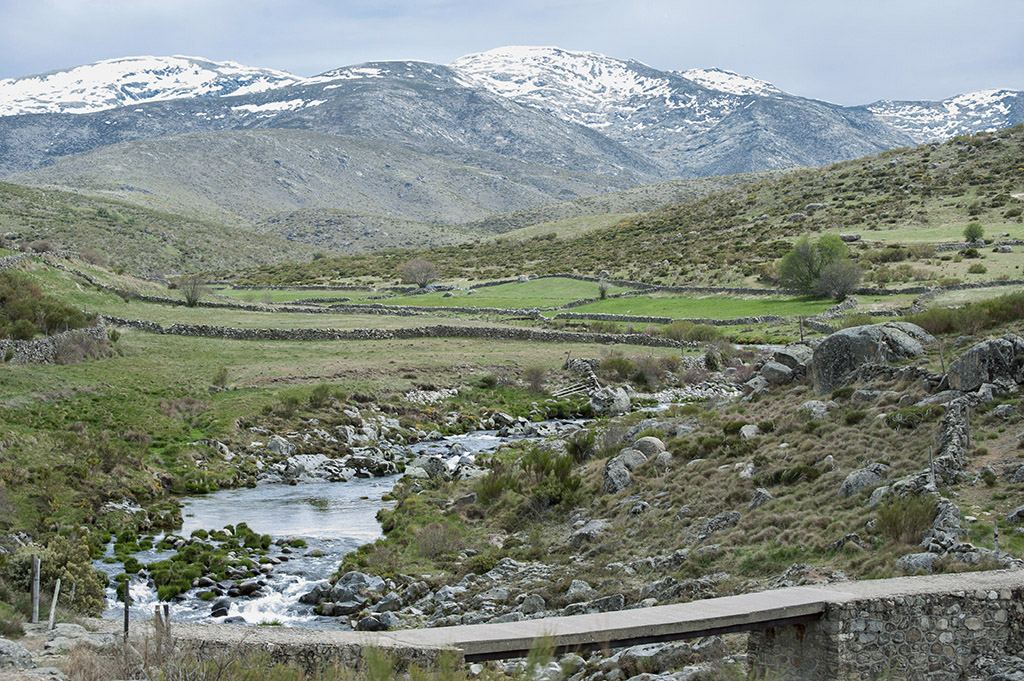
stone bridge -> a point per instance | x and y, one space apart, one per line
940 628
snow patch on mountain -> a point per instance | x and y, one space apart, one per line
133 80
729 82
966 113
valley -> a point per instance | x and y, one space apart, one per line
491 357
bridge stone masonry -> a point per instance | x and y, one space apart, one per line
938 627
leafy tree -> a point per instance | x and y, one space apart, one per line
838 279
973 232
822 268
419 271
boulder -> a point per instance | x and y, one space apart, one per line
1016 515
609 401
869 476
579 591
616 478
278 445
846 350
630 458
816 409
749 431
776 373
532 604
991 361
589 532
431 467
649 446
758 385
375 466
795 356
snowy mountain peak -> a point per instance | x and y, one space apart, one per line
534 72
729 82
133 80
969 112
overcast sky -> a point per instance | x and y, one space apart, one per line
843 51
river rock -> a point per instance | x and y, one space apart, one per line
248 588
991 361
278 445
375 466
342 608
431 467
846 350
609 401
220 607
869 476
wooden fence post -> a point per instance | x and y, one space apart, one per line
53 604
35 589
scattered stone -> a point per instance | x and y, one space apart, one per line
589 532
869 476
914 563
533 604
760 498
1016 515
776 373
609 401
749 431
816 409
755 386
1005 411
579 591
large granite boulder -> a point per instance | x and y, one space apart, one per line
999 360
846 350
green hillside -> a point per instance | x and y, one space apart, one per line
139 239
898 198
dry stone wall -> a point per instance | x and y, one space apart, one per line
47 350
435 331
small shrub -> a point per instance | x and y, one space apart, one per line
973 232
534 377
792 475
581 445
905 519
854 417
493 486
320 395
988 476
977 268
912 417
220 379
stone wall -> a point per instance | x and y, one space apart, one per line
435 331
48 350
939 637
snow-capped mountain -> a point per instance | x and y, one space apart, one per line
967 113
576 111
670 115
133 80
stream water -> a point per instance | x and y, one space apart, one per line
333 519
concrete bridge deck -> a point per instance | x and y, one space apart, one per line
747 612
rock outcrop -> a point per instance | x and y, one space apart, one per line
846 350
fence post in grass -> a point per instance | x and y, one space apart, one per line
995 534
53 605
35 589
801 328
127 606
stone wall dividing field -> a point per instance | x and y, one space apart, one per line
934 637
48 350
435 331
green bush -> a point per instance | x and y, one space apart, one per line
581 445
912 417
977 268
792 475
904 520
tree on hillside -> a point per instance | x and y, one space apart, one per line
973 232
822 268
419 271
192 289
